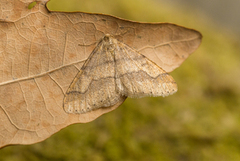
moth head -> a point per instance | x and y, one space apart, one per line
109 43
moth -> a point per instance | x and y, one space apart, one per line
112 72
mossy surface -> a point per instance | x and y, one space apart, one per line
201 122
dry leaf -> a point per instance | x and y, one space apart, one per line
42 51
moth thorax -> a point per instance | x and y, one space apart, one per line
109 43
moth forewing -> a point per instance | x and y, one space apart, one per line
112 72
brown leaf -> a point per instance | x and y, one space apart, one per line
42 51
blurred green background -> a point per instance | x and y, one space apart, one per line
199 123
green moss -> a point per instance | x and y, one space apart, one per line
31 5
200 122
